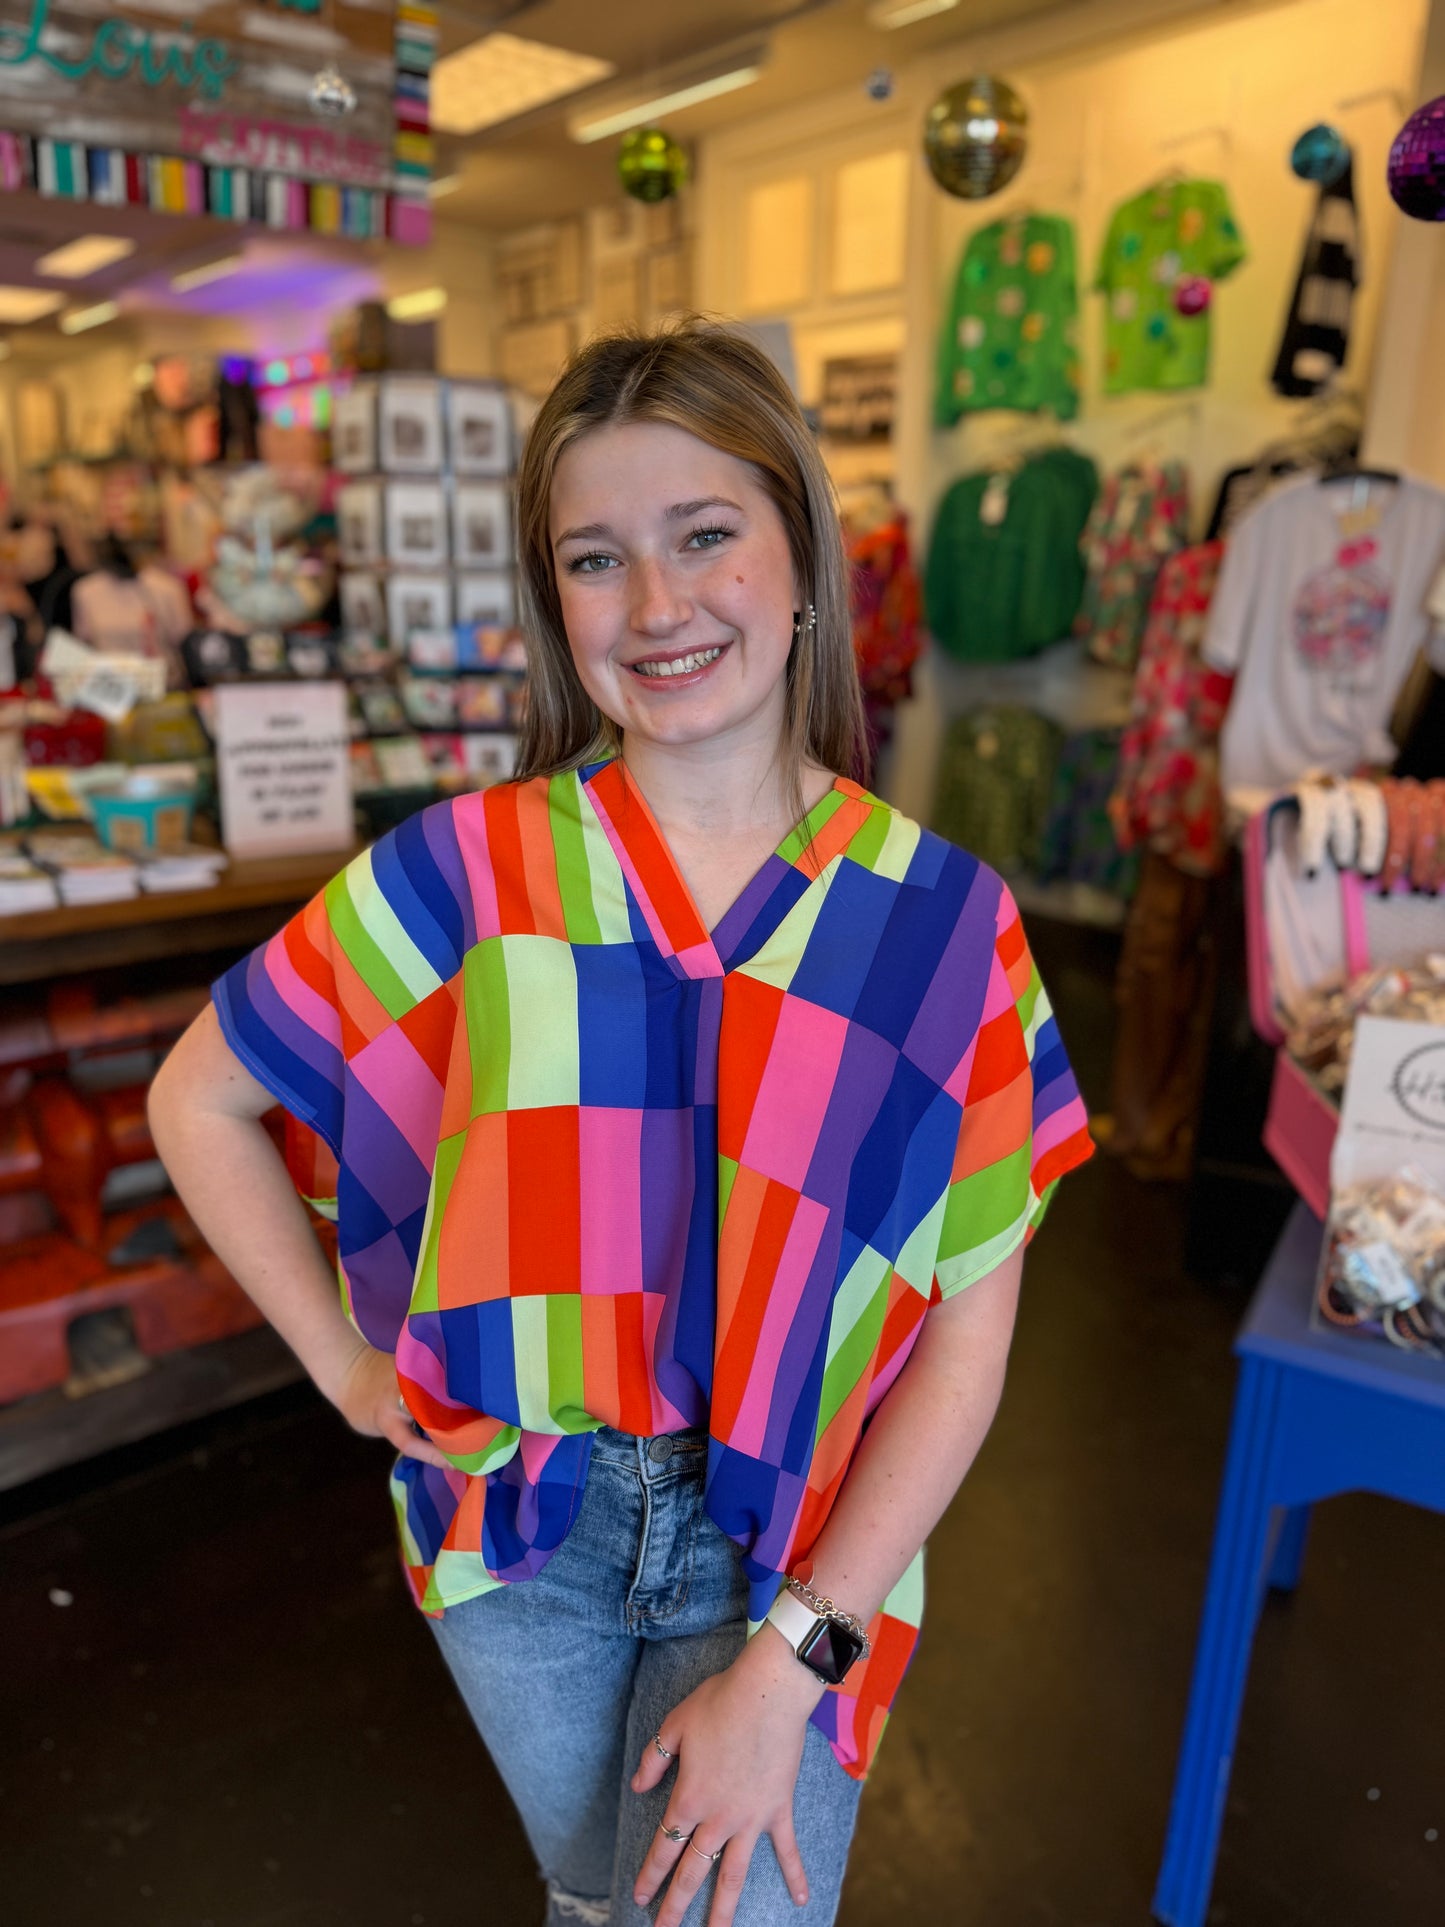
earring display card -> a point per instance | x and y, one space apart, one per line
417 602
353 430
416 525
362 611
481 525
479 428
410 426
358 521
487 597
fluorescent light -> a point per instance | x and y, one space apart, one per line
28 304
443 184
902 13
501 76
418 305
88 255
644 111
211 271
79 319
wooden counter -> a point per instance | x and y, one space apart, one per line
251 900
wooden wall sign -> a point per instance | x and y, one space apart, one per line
214 117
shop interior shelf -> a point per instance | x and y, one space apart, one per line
45 1433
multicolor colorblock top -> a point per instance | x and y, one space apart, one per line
599 1166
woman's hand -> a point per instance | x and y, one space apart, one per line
368 1398
739 1742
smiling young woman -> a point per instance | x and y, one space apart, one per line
692 1110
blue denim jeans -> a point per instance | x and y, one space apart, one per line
569 1675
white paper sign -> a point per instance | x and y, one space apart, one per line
1394 1108
283 762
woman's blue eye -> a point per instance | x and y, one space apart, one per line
709 538
592 564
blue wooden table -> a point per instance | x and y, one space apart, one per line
1316 1413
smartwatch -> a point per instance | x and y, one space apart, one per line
826 1646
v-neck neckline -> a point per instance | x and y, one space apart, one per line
663 896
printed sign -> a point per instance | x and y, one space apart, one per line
284 767
1394 1108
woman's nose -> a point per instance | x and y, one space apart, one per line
658 606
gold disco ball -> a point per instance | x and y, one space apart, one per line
975 137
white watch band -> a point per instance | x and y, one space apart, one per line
793 1619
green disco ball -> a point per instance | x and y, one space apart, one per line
650 164
975 136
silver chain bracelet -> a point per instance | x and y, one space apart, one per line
827 1609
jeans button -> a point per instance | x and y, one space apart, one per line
660 1450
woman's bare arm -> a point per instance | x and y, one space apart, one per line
205 1115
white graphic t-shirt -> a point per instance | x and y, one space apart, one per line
1321 611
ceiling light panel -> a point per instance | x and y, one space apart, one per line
87 255
902 13
502 76
79 319
639 113
28 304
211 271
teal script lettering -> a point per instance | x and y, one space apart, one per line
117 49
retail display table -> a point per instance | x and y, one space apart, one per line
1316 1413
245 906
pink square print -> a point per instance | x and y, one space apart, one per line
610 1161
793 1095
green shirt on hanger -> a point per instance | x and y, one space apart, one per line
1162 247
1010 340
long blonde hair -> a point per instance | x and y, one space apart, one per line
716 383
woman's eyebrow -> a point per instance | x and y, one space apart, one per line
680 511
587 532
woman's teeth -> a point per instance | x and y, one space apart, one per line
680 666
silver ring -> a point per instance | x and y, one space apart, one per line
704 1856
657 1742
680 1834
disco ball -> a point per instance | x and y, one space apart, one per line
1321 154
331 92
974 137
650 164
1417 164
1192 295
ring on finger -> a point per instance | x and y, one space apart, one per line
657 1742
681 1834
704 1856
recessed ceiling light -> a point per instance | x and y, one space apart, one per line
502 76
673 103
28 304
211 271
418 305
444 184
79 319
87 255
683 85
903 13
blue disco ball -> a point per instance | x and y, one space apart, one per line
1321 154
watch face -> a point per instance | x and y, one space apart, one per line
830 1649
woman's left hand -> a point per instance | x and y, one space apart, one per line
738 1741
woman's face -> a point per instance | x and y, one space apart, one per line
676 584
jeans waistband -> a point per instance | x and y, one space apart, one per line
665 1454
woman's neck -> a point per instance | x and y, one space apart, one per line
719 790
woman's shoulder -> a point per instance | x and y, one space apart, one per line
920 858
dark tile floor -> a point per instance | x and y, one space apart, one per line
240 1720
